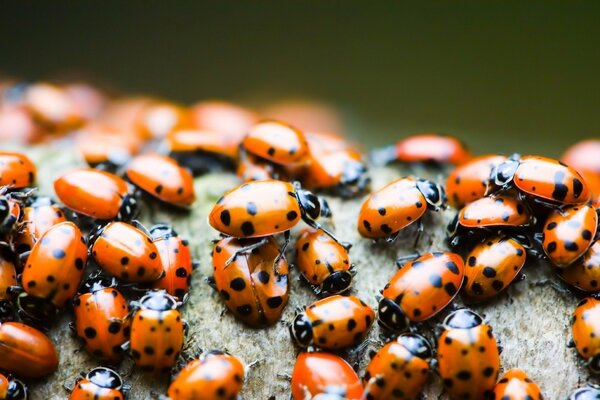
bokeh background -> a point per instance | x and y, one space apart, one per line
503 75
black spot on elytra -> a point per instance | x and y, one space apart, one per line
464 375
247 228
274 301
251 208
381 211
497 285
452 267
489 272
551 226
351 324
450 288
79 263
89 332
571 246
487 372
551 247
586 234
472 261
225 217
225 295
386 229
477 288
181 272
263 277
435 280
114 327
237 284
158 189
271 151
58 254
577 188
292 215
367 225
560 189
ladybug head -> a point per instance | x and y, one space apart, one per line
4 209
593 364
162 231
36 308
310 204
462 319
434 194
391 316
105 378
16 390
129 208
417 345
95 233
452 227
503 173
158 300
301 330
337 282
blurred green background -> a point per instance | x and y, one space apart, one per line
503 75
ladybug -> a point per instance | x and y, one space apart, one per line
214 375
488 214
468 356
37 218
568 233
100 383
420 290
10 213
584 274
8 279
263 208
470 181
545 180
588 392
102 320
202 150
174 253
276 142
400 369
126 252
251 168
16 170
230 120
324 373
324 263
254 285
397 205
52 107
491 266
162 178
53 271
157 333
96 194
26 351
106 147
586 332
157 118
12 389
424 148
516 385
583 156
333 323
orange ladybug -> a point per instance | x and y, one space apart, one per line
323 373
420 290
8 279
516 385
174 253
324 263
232 121
16 170
53 271
277 142
545 180
568 233
157 118
468 356
106 147
470 181
157 333
12 389
102 320
202 150
397 205
585 328
126 252
26 351
10 214
491 266
253 284
424 148
96 194
333 323
251 168
214 375
162 178
583 156
584 274
101 383
37 218
400 369
52 107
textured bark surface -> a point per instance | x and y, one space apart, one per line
531 317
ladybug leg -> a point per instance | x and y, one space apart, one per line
245 249
420 230
286 236
400 261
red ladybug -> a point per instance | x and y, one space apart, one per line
157 118
491 266
231 121
516 385
584 274
37 218
157 333
16 170
214 375
468 356
400 369
424 148
106 147
26 351
254 285
333 323
398 204
420 290
12 389
323 373
53 271
277 142
586 332
96 194
324 263
174 253
101 383
470 181
8 279
162 178
102 320
126 252
545 180
568 233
